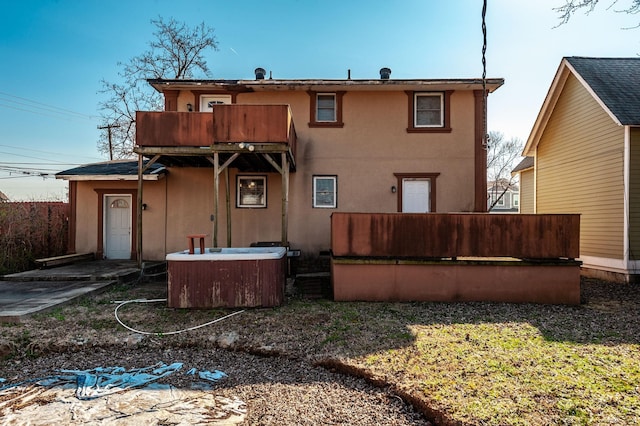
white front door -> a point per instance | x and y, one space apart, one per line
415 195
117 241
207 101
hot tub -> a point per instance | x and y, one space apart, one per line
227 277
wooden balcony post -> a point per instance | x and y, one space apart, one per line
285 199
216 194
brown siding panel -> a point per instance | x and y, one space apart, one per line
170 128
238 283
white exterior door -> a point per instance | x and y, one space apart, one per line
117 232
207 101
415 195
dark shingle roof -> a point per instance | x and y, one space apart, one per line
526 163
112 168
616 81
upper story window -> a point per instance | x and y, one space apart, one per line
208 101
325 109
429 112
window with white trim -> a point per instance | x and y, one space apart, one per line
251 192
428 110
516 200
326 107
325 192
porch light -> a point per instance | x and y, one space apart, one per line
189 107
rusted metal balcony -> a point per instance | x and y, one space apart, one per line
181 136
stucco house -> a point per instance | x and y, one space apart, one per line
585 158
269 160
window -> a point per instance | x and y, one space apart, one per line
429 112
208 101
325 192
251 192
516 200
325 109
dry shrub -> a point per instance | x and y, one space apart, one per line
32 230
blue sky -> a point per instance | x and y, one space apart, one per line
55 53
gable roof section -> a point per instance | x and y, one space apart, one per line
112 170
616 83
613 82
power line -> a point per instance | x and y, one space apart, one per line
43 106
47 152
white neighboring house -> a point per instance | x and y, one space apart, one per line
507 195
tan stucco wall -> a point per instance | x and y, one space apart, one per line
87 217
364 155
579 166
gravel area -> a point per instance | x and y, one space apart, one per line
275 390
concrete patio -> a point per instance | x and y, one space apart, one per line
25 293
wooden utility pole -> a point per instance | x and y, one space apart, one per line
109 127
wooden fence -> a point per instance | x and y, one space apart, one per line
32 230
452 235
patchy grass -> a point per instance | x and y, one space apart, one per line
466 363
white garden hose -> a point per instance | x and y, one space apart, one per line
126 302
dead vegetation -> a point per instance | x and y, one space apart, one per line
465 363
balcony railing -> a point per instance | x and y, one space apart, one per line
260 124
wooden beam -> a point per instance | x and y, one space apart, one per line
273 163
228 187
139 215
208 150
216 194
285 200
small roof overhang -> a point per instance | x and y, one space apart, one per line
527 163
328 85
116 170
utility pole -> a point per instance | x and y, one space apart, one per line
109 127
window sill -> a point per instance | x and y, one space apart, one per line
428 129
323 124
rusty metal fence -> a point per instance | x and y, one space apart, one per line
452 235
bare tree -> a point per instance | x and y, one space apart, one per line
176 52
572 6
501 159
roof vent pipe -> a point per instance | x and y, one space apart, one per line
260 72
385 73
